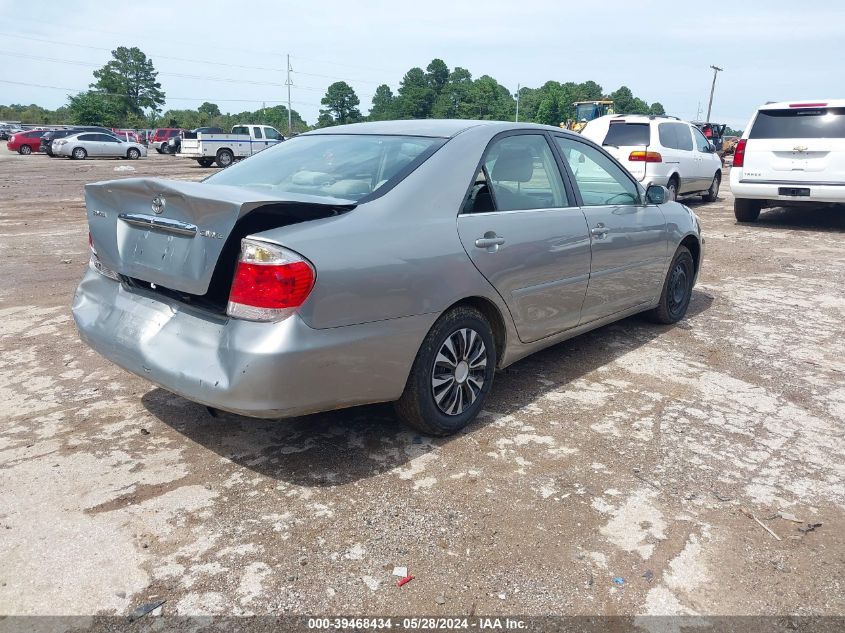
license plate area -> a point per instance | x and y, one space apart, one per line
793 191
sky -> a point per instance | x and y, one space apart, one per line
234 54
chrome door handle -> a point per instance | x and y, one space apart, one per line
490 241
600 230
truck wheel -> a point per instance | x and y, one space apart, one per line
205 162
747 210
25 150
225 157
158 149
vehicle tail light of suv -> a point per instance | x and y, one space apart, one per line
739 153
95 263
645 157
270 282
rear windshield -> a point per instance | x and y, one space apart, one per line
799 123
346 166
626 134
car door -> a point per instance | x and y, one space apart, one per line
109 145
704 155
628 237
521 228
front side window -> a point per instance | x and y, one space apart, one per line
521 172
345 166
271 133
600 180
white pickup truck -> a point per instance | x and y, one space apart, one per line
224 149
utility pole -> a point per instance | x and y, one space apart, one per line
289 83
716 71
516 120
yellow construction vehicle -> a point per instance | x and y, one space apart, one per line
586 111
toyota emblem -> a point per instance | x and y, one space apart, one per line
159 202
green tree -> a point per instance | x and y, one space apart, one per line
131 77
341 105
209 109
624 102
415 97
657 109
437 74
93 108
384 104
455 98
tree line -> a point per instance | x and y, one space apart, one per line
126 93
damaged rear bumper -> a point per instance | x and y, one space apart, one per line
266 370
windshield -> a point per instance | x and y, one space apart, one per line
586 111
626 134
348 166
799 123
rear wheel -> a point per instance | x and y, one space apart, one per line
747 210
452 374
158 149
205 162
133 153
677 289
672 186
713 193
25 150
79 153
225 158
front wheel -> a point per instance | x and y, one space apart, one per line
747 210
713 193
677 289
79 153
133 154
451 375
25 150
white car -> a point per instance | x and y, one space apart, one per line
660 150
97 145
791 154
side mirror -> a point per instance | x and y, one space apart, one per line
655 194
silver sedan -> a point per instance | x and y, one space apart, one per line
400 261
97 145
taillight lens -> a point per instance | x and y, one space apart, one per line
270 282
95 264
739 153
645 157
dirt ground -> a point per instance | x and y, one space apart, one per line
627 453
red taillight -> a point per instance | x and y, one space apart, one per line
270 282
739 153
645 157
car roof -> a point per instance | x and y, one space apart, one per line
809 103
444 128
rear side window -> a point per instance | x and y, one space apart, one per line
675 136
799 123
257 132
240 129
626 134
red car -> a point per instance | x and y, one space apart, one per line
25 142
160 137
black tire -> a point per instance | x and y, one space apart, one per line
25 150
79 153
747 210
677 289
158 149
133 153
672 187
424 404
205 162
713 193
225 157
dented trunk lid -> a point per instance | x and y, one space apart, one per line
172 233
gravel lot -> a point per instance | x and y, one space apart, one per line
628 452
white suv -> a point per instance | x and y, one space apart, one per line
791 154
661 150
